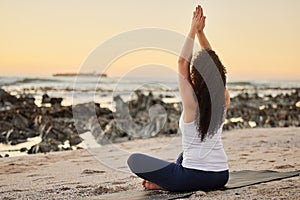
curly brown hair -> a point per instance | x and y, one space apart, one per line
202 75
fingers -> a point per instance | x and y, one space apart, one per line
194 14
202 19
199 11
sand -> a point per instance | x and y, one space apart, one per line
85 174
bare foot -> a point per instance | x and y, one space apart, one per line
143 183
150 186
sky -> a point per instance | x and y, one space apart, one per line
256 40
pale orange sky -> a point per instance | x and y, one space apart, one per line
255 39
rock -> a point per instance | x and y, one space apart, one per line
32 149
200 193
5 126
114 130
20 122
56 101
278 111
15 136
74 139
55 131
91 117
27 99
53 101
145 115
121 107
6 97
24 149
61 112
96 127
90 171
45 99
282 114
47 147
44 147
82 114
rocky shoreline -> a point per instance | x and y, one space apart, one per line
143 116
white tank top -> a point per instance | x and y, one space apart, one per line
208 155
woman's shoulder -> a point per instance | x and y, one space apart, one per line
189 117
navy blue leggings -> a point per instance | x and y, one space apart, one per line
173 177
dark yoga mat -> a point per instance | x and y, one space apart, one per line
237 179
244 178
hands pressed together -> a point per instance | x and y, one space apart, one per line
198 21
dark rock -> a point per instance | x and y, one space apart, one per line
144 116
82 114
54 131
27 99
61 112
53 100
24 149
6 97
46 98
96 127
44 147
17 141
32 149
15 136
74 139
141 117
5 126
20 122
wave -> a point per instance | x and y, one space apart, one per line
4 81
67 89
240 83
32 80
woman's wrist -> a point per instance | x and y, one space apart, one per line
192 33
200 32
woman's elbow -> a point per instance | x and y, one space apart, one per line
227 103
182 61
227 97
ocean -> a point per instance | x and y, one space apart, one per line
84 89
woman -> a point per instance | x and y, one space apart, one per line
203 163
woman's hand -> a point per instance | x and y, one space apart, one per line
198 25
198 21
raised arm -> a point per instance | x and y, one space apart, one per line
205 45
184 80
203 40
201 35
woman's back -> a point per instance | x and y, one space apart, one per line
207 155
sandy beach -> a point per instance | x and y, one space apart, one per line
81 175
85 85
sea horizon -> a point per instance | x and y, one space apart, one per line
102 89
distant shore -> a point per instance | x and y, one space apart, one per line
80 74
